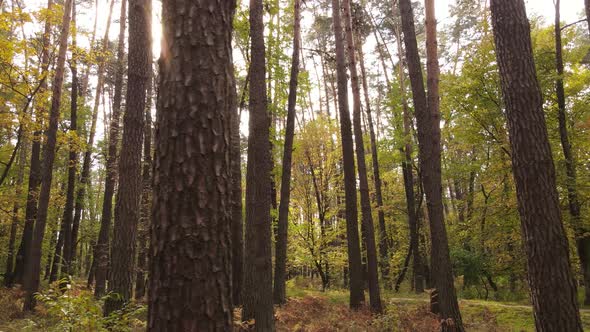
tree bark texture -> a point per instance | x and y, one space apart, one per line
553 291
190 254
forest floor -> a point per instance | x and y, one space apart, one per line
306 310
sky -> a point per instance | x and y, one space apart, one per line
571 11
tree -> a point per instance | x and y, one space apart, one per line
354 252
257 293
33 267
127 205
101 251
428 127
582 239
367 217
190 263
35 165
281 245
553 291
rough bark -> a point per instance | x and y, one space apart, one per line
32 269
127 205
257 293
428 127
553 291
101 250
237 220
367 216
582 239
357 297
281 245
35 166
190 262
146 195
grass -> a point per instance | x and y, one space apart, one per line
310 310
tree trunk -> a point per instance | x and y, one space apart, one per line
383 239
237 220
367 216
281 245
32 269
101 250
428 125
257 295
408 176
190 265
86 163
357 297
20 175
73 154
146 194
582 239
35 166
553 291
127 205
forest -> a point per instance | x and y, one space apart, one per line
294 165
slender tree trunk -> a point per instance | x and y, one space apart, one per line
127 205
73 154
190 265
357 298
257 294
428 124
383 239
281 245
582 239
367 217
101 250
32 269
587 7
86 163
20 175
35 166
553 291
146 194
237 220
408 176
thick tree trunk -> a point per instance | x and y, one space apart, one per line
553 291
279 294
428 125
257 294
190 265
357 297
32 269
127 205
35 166
367 216
101 250
582 239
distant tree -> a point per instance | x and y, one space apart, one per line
33 267
428 127
279 293
355 270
